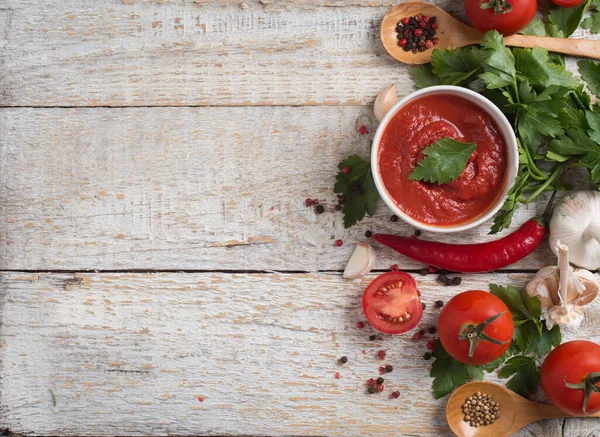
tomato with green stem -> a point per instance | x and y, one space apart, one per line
505 16
392 303
475 327
571 377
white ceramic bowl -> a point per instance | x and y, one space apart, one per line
512 155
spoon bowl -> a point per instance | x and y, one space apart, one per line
452 33
516 411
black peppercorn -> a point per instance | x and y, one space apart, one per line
424 271
394 218
456 280
421 43
320 209
439 303
421 332
422 48
448 281
380 380
373 337
388 368
432 330
427 356
423 38
344 360
372 390
423 305
432 19
406 48
442 279
368 234
418 234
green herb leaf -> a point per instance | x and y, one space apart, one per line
549 339
499 65
450 374
568 19
454 67
592 22
358 188
524 374
576 142
444 161
534 66
423 76
590 73
593 120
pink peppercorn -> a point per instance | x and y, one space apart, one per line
422 24
430 345
428 44
360 325
338 243
434 25
337 375
396 394
381 354
394 268
402 42
405 20
363 130
371 382
417 336
434 41
308 202
346 170
382 370
418 32
380 387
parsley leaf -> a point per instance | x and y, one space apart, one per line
499 65
593 120
448 373
590 73
534 66
524 374
423 76
549 339
592 22
358 188
568 19
445 160
453 67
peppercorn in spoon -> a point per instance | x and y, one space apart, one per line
516 411
451 33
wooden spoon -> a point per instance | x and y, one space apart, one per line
452 33
516 411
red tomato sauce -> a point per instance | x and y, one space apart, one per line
417 125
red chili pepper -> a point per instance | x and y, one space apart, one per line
470 258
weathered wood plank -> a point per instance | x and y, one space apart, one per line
185 188
129 354
126 53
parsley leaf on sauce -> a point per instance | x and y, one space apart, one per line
444 161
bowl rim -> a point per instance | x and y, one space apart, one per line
506 130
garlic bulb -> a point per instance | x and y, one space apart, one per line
576 223
563 291
361 262
384 101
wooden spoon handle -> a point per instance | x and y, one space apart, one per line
577 47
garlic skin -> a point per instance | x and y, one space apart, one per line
384 101
563 291
576 223
361 262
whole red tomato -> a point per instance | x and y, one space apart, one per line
392 303
570 377
475 327
506 16
567 3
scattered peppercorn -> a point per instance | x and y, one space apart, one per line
320 209
394 218
439 303
344 359
442 279
373 337
381 370
381 354
380 387
380 380
422 331
394 268
308 202
338 207
416 336
424 271
372 390
430 345
388 368
427 356
371 382
395 394
432 269
423 305
346 170
417 232
337 375
456 280
368 234
416 33
432 330
338 243
363 130
360 325
480 410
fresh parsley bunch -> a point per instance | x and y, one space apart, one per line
556 125
531 341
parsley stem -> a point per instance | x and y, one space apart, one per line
578 101
534 170
545 185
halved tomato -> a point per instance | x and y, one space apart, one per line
392 303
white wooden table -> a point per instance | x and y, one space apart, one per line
154 161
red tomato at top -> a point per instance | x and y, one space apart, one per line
475 321
565 369
567 3
506 16
392 303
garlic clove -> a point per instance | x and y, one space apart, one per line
568 317
545 286
589 284
384 101
576 223
361 262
